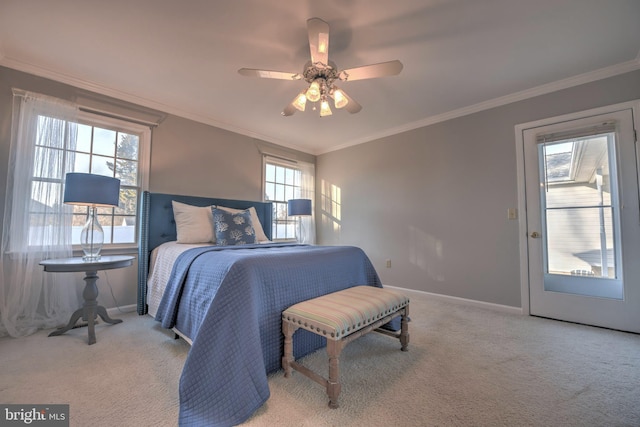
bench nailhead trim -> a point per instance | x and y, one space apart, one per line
349 329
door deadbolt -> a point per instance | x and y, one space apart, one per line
535 234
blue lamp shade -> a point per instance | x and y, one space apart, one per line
91 190
94 191
299 207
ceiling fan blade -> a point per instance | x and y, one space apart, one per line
268 74
373 71
318 40
352 107
289 110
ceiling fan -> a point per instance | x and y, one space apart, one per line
321 75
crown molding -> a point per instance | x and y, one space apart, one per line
134 99
580 79
588 77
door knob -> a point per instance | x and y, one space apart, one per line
535 234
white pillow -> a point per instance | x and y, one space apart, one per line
257 227
194 224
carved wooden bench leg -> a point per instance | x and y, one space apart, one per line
334 348
404 330
288 330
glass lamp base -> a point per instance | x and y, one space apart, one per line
92 237
300 232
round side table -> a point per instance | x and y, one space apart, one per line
90 308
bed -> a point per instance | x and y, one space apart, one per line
227 301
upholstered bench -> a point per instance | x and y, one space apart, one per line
341 317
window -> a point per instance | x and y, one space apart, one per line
559 161
282 181
285 180
579 205
102 146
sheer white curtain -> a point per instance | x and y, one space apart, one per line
307 191
37 225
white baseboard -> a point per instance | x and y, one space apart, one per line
465 301
488 305
113 311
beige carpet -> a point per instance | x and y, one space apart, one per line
466 366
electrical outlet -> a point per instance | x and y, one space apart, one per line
388 263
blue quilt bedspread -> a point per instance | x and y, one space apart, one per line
229 300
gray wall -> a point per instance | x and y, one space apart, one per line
196 159
186 158
434 200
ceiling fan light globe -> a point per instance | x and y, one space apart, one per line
300 102
339 99
325 110
313 93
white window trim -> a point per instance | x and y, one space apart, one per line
144 149
291 164
144 165
306 192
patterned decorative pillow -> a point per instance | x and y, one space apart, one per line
257 226
233 228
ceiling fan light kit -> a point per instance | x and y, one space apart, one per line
339 100
301 101
321 74
313 93
324 108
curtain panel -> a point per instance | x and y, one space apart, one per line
37 225
307 191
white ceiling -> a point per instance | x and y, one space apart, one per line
182 57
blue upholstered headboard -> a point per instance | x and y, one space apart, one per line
158 226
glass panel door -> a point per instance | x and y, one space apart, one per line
580 215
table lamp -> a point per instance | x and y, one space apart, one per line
94 191
299 207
